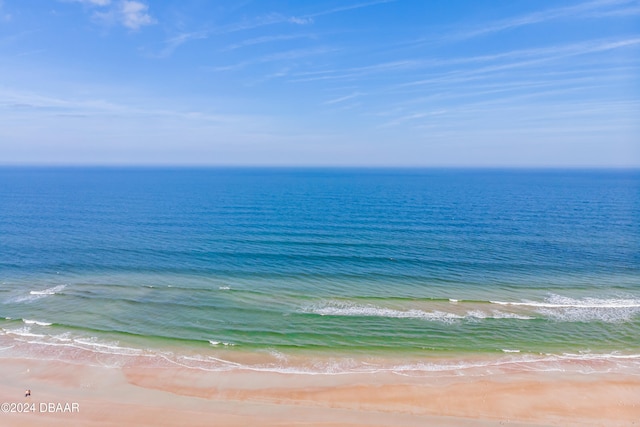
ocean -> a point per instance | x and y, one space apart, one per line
321 270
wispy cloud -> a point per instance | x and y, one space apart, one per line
348 7
12 38
176 41
342 98
4 16
515 83
250 24
282 72
279 18
535 81
31 52
412 116
261 21
511 59
356 72
583 10
18 100
278 56
529 57
300 21
627 11
90 2
132 14
267 39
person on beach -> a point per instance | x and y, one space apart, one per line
27 393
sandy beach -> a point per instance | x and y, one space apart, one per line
65 394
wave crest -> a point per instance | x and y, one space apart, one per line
359 310
587 309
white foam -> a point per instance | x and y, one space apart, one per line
598 356
35 322
23 332
35 295
215 343
47 343
278 355
348 309
558 301
224 288
118 355
111 347
587 309
65 337
211 363
50 291
502 315
477 314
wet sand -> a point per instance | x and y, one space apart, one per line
147 396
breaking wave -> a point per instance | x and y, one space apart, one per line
349 309
588 309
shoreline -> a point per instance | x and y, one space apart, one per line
138 395
93 351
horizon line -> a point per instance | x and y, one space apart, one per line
309 166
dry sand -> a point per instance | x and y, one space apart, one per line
144 396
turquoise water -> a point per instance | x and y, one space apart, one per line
350 262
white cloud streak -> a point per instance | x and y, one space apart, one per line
278 18
300 21
629 11
262 21
531 57
590 9
267 39
527 57
342 99
174 42
278 56
348 7
52 105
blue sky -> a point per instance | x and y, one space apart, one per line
311 83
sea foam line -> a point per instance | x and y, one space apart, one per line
50 291
216 343
557 301
346 366
581 362
22 332
36 322
565 309
35 295
347 309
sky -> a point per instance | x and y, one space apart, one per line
396 83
